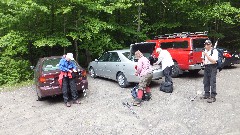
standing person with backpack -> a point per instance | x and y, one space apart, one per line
144 71
209 59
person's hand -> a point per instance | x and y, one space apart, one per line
136 73
204 53
70 71
74 70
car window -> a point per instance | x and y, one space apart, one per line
198 43
114 57
51 64
104 57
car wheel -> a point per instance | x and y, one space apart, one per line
175 70
39 98
194 71
92 72
122 80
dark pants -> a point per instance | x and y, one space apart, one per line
73 87
209 80
167 72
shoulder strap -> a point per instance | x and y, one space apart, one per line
211 52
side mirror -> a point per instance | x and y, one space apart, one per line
96 60
32 67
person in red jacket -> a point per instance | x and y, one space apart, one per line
68 68
144 71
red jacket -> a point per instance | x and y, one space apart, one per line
62 74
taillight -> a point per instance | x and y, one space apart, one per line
42 79
227 55
84 73
190 57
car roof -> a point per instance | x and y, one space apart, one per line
121 51
51 57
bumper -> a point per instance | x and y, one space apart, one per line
195 66
56 90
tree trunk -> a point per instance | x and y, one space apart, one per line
76 50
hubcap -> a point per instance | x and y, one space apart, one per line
92 72
120 80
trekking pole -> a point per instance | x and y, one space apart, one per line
130 108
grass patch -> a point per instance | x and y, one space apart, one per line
12 87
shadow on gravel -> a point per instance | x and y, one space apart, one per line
59 98
188 75
230 67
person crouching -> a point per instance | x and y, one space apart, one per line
144 71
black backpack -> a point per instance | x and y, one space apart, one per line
220 58
166 87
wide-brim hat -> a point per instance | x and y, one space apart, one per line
70 56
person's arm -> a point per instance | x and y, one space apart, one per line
213 59
74 66
139 67
160 58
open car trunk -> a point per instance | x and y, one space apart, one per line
146 48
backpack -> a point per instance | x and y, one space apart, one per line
166 87
220 58
134 91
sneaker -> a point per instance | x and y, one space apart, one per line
76 102
211 99
68 104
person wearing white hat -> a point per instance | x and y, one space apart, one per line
68 68
167 63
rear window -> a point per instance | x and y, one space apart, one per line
51 64
167 45
198 43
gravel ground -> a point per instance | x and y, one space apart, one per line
102 112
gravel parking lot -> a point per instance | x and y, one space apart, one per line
102 112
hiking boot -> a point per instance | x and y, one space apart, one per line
211 99
76 102
204 96
68 104
137 102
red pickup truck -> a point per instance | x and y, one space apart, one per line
185 49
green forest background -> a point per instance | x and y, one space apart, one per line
30 29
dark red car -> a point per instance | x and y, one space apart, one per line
46 77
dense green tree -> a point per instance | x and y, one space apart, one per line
30 29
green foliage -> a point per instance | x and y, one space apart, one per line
30 29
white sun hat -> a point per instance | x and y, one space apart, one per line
70 56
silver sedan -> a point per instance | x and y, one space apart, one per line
118 65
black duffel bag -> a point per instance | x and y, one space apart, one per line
166 87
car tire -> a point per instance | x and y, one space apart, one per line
122 80
92 72
39 98
175 70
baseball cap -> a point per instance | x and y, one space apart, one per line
208 42
70 56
